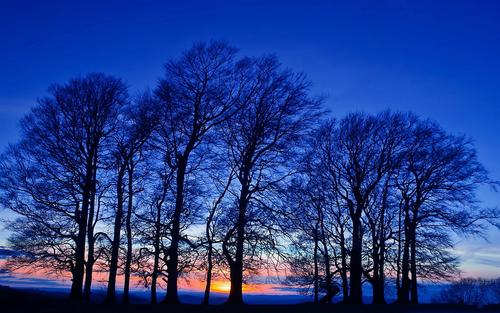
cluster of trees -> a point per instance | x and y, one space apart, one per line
472 291
229 166
378 197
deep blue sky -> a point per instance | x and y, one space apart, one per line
437 58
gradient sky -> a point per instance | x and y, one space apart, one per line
439 59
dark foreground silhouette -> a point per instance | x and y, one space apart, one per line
18 300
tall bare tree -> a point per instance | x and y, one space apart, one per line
262 140
357 161
49 178
139 121
200 90
436 187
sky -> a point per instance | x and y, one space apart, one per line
439 59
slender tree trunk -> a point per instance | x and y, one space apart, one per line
82 218
206 296
236 268
128 228
377 288
413 266
156 255
381 275
403 292
356 293
343 271
236 291
156 244
115 246
209 234
399 253
379 252
236 271
89 265
331 289
378 292
316 267
154 278
77 281
173 261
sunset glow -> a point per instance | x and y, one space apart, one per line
221 286
42 279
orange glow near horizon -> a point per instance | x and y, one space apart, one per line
221 286
194 283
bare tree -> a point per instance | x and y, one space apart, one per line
152 225
138 122
472 291
357 161
212 225
262 141
200 90
436 187
313 220
49 178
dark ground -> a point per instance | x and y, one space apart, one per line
17 300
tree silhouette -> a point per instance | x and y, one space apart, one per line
49 178
262 142
199 91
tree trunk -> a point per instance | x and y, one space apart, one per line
379 252
413 266
403 292
236 268
173 261
82 218
156 252
209 234
89 265
115 245
331 289
316 267
377 288
343 271
206 296
78 273
381 276
128 228
356 294
399 253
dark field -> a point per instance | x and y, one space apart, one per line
16 300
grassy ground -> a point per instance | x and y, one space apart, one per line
14 300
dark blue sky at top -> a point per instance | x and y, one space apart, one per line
440 59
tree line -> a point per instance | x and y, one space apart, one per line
230 166
478 292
